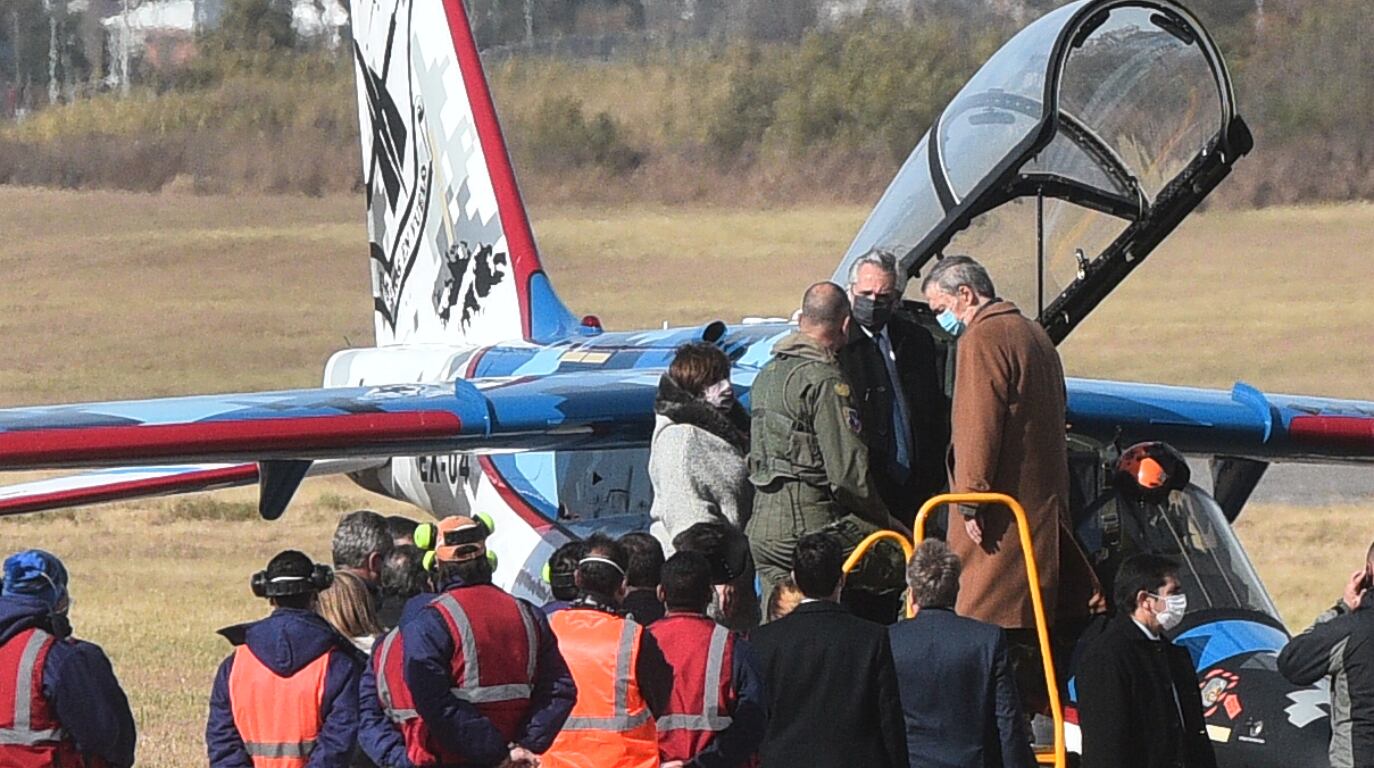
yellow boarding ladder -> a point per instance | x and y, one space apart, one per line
1057 758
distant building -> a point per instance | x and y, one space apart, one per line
162 33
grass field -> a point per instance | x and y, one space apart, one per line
112 295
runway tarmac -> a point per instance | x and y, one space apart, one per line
1304 484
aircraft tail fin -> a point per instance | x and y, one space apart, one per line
453 256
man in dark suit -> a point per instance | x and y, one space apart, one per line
897 376
957 688
830 681
1138 699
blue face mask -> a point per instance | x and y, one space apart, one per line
952 325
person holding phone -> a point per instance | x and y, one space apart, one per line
1340 643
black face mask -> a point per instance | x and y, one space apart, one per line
872 313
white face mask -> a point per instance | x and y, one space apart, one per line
1174 608
719 394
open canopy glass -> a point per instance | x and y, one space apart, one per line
1068 157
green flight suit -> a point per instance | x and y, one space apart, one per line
808 463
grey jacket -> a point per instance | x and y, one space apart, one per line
697 464
1340 644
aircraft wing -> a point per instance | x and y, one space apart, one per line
587 410
1243 422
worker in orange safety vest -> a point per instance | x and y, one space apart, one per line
287 697
623 680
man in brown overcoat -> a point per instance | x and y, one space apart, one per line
1008 437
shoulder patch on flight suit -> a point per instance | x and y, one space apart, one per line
842 389
852 416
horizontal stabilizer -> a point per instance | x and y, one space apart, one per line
124 483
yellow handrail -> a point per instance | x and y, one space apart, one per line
1059 758
852 561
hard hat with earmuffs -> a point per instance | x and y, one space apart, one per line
291 573
456 539
1151 471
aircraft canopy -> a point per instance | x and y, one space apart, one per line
1073 152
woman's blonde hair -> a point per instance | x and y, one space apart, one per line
347 606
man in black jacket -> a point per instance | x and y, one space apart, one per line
958 693
830 680
897 376
1341 644
1138 699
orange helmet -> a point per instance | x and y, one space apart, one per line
454 539
1150 471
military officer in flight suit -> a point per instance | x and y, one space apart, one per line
807 461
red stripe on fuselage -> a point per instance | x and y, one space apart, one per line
1347 433
519 236
139 444
186 482
513 499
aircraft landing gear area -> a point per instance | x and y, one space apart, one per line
1057 755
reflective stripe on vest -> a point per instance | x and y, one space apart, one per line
622 720
278 717
384 687
21 732
710 718
470 688
285 749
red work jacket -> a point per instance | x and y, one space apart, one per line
493 667
30 736
701 653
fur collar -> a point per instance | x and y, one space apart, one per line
679 407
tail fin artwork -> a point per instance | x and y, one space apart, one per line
453 256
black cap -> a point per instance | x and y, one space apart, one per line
291 573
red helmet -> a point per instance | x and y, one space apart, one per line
1150 471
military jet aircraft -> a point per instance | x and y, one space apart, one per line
1074 151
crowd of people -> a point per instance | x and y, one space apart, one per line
729 633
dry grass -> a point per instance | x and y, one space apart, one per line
117 295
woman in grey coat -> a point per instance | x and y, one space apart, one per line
698 456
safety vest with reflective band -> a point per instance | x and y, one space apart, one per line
277 717
30 736
703 687
493 667
610 725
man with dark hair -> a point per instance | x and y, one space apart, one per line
475 677
958 692
401 529
406 590
1340 645
290 688
1138 699
807 461
641 601
623 681
361 542
403 577
717 713
65 704
829 675
561 574
726 548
